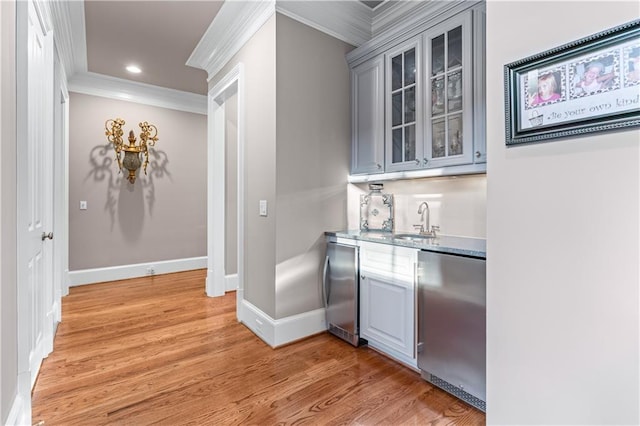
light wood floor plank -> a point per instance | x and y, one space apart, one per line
156 350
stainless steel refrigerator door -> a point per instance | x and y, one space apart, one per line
452 316
341 291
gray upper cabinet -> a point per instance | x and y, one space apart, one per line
449 114
403 100
479 84
419 106
367 86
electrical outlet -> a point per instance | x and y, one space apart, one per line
83 205
263 207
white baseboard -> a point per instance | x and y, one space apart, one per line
231 282
65 283
260 323
19 414
239 300
296 327
114 273
285 330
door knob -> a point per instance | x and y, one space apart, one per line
45 236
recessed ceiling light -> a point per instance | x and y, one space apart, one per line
134 69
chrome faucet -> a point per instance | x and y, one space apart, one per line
423 211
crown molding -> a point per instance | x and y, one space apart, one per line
402 20
69 34
43 11
349 21
389 13
232 27
238 21
105 86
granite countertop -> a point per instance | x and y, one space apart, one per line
442 243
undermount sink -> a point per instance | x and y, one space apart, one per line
414 237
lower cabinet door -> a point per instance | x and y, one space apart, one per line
387 316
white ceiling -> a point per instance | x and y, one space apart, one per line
157 36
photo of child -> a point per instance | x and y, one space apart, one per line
595 76
548 89
545 87
632 75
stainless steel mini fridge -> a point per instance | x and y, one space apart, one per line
452 331
340 291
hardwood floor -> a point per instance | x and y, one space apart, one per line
156 350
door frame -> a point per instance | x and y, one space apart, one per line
60 184
232 83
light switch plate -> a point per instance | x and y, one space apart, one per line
263 207
83 205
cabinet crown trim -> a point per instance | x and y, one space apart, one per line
405 20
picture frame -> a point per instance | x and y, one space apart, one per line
589 85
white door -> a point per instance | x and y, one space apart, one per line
35 195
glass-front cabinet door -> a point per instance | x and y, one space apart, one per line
403 100
448 115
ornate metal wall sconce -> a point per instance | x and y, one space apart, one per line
131 161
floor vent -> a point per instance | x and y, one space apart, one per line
454 390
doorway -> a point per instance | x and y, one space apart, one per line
226 108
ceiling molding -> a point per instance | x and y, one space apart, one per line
105 86
413 12
349 21
44 14
70 35
401 20
233 26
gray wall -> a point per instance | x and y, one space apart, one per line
163 215
231 185
312 158
259 58
562 246
8 221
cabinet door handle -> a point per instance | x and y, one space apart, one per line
416 316
417 162
425 161
478 154
379 166
325 298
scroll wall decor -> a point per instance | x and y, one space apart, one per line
132 152
589 85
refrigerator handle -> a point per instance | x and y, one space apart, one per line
325 295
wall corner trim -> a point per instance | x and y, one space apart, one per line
123 272
19 413
284 330
90 83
